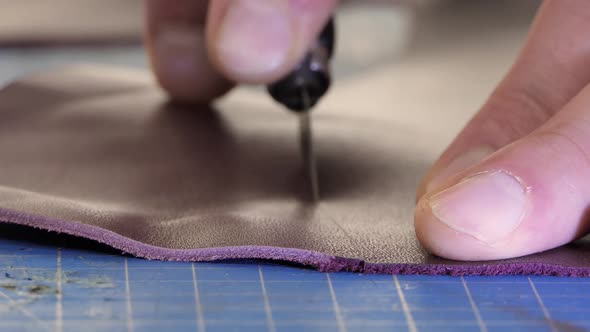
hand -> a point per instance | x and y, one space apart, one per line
517 179
199 49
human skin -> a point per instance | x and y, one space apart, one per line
515 180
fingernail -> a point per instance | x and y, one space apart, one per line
488 206
460 163
255 36
179 52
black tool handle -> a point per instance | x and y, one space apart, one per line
311 76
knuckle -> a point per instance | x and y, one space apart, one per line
566 141
514 113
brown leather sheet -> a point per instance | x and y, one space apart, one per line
99 153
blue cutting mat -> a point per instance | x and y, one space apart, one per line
61 285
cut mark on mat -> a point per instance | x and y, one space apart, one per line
476 313
267 308
542 305
337 310
59 295
128 299
21 307
409 318
198 305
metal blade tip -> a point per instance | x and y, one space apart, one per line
307 150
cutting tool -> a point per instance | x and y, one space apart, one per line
300 91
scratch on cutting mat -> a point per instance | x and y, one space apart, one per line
524 314
10 287
41 290
32 286
93 282
33 291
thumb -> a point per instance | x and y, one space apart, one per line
551 69
530 196
514 157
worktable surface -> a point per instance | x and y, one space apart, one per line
51 283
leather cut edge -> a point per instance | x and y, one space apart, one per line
320 261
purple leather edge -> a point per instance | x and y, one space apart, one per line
319 261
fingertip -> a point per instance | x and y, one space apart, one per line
441 240
445 169
181 65
476 218
438 239
177 50
421 191
258 42
252 41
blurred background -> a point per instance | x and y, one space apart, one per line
35 34
432 61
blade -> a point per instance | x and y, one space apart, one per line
306 143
